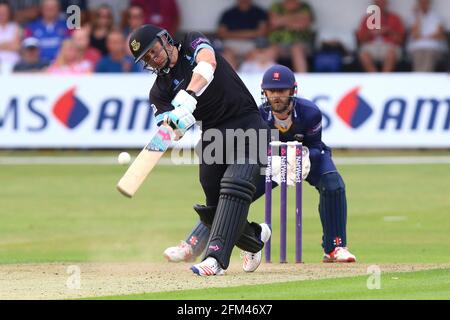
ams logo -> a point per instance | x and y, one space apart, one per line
70 110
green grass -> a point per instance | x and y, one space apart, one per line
73 213
114 152
429 284
57 213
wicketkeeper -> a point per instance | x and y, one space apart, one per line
293 117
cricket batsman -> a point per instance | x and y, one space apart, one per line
292 116
194 83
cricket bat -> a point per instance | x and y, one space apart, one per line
145 161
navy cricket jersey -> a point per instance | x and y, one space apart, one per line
306 120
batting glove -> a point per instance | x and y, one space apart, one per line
180 119
161 117
186 100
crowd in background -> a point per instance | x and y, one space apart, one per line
34 37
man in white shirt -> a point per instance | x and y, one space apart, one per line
427 44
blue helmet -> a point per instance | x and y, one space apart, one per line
278 77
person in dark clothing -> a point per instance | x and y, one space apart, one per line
195 83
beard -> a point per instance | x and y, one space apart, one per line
279 104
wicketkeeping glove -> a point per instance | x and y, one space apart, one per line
291 165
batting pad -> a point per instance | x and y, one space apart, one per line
236 193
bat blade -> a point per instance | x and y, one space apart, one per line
144 163
138 171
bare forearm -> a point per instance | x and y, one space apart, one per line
298 25
398 38
439 34
299 21
277 21
10 46
415 32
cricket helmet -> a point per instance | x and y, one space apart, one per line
278 77
144 38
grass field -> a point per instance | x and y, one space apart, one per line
430 284
72 213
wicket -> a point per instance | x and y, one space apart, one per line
283 199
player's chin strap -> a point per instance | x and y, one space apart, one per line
166 68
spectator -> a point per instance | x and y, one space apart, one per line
50 30
102 24
259 59
161 13
10 34
30 57
117 7
133 18
69 61
239 28
117 60
25 11
291 32
427 44
381 45
81 38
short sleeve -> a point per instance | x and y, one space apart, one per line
194 42
262 15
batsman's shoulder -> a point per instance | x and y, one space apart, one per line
194 39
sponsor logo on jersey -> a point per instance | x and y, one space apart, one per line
198 41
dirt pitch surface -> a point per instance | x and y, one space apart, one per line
53 281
